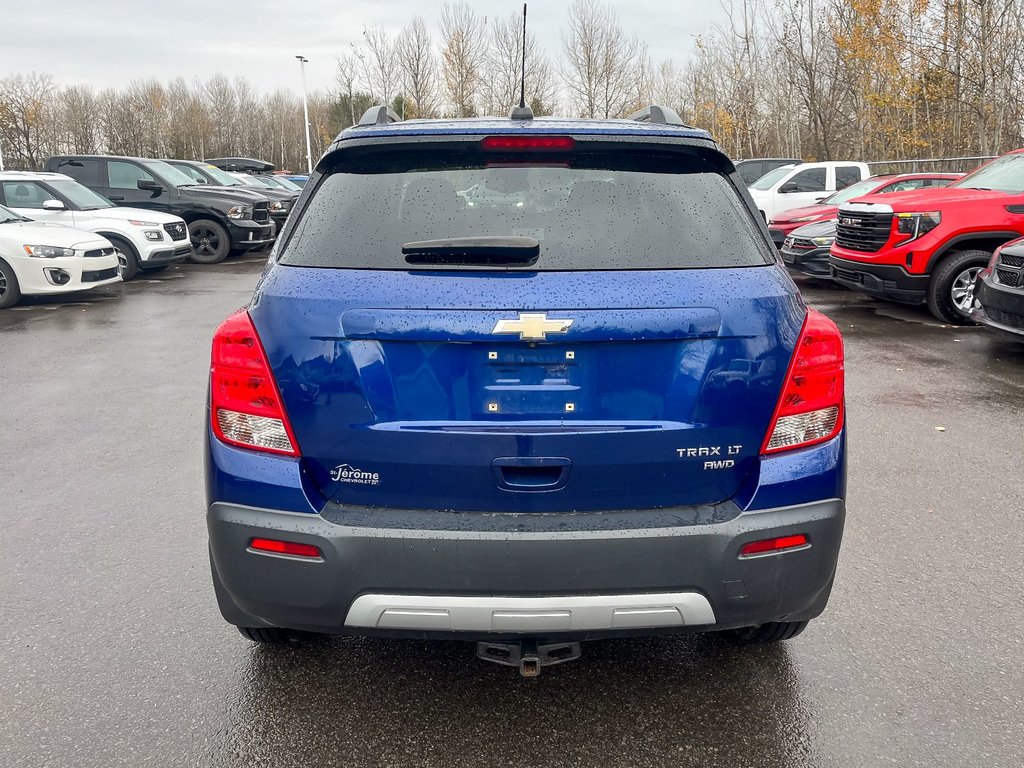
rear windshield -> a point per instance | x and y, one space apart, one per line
588 210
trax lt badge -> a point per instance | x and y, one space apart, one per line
532 326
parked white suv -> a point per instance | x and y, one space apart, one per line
794 186
144 239
38 258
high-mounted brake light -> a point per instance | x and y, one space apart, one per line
810 408
245 406
528 143
778 544
277 547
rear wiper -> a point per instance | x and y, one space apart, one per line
474 251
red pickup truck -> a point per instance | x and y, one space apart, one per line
929 245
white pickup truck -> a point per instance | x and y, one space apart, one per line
794 186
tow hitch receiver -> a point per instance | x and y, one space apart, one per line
528 656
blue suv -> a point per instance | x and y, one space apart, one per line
526 383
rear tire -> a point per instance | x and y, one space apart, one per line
772 632
10 291
126 258
951 289
210 241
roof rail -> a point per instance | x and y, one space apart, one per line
379 115
658 114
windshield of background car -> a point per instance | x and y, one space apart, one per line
253 181
286 183
593 210
771 178
859 189
220 177
1004 174
169 173
8 215
81 196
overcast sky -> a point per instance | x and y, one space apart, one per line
110 42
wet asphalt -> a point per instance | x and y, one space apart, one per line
112 652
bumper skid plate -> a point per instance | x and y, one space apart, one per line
532 615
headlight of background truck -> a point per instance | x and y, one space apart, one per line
240 212
917 224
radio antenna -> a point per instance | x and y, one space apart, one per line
522 112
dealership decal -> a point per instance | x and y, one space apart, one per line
346 473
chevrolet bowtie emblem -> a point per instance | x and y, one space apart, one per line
532 326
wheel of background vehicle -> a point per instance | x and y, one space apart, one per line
272 635
951 290
772 632
210 241
127 259
10 291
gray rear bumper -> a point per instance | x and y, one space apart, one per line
435 575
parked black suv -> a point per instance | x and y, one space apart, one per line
999 292
281 200
805 250
220 219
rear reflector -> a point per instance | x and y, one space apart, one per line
528 143
245 406
285 548
810 408
773 545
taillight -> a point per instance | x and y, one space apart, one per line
528 143
245 406
810 408
778 544
278 547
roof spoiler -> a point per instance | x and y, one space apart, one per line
379 115
658 114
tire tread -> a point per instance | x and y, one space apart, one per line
268 635
940 303
772 632
13 294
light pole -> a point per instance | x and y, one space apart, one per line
305 111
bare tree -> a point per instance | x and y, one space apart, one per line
504 66
78 134
604 64
463 50
380 64
25 112
347 76
857 79
418 65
